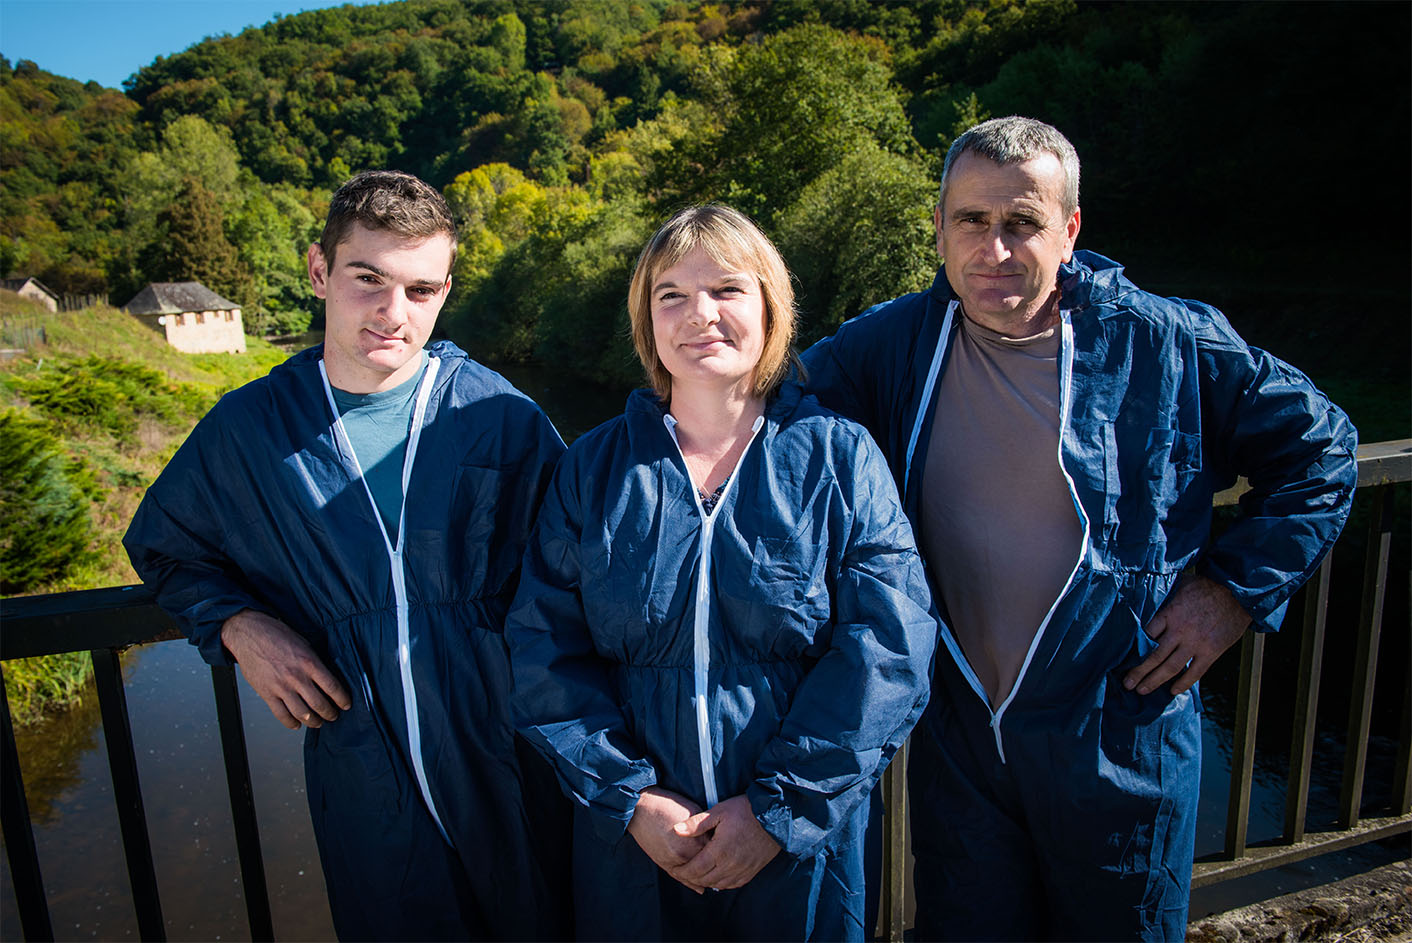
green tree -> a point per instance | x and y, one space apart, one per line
501 309
60 141
582 320
859 234
191 149
558 294
507 37
45 525
193 154
794 106
495 208
272 232
192 245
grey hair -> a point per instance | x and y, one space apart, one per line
1012 140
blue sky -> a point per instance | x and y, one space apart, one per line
108 40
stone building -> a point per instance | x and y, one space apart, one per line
33 289
194 319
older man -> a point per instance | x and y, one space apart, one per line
1058 434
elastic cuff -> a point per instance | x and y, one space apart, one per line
208 643
611 824
1265 614
773 815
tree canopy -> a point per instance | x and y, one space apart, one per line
563 131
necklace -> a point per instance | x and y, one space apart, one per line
709 500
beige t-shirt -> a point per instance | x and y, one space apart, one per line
999 526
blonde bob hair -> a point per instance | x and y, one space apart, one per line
732 241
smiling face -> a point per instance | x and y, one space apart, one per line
381 294
1003 234
708 322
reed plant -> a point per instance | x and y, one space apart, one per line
34 686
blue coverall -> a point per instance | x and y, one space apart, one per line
417 794
795 617
1069 810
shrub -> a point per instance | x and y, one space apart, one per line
45 525
111 394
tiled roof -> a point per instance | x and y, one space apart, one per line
175 298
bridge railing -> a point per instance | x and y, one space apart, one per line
103 622
1381 467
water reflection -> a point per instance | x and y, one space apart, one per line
188 812
293 343
53 747
574 406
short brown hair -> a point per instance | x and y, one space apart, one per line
732 240
388 200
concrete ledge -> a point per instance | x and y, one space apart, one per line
1372 906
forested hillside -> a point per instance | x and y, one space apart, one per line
1231 151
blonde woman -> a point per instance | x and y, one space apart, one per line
722 632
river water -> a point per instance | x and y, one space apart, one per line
64 762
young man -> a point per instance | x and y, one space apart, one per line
348 530
1057 434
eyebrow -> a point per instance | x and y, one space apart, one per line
961 211
742 277
1006 219
1023 208
416 283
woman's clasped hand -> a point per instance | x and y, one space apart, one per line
716 849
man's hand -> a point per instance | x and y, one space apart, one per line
738 847
652 826
1198 621
283 670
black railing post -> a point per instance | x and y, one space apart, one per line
19 834
1370 621
1402 777
1306 702
127 792
242 803
894 888
1252 657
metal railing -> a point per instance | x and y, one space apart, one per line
1380 467
103 622
106 621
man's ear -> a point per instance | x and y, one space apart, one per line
318 270
936 220
1071 235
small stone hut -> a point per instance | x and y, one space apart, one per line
193 318
33 289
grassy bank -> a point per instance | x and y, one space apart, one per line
91 410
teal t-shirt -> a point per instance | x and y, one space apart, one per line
378 426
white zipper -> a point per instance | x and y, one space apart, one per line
701 642
932 374
398 566
1066 375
